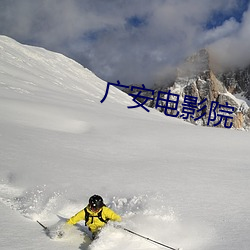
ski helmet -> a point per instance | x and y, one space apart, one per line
95 202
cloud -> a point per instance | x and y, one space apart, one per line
133 41
233 49
228 28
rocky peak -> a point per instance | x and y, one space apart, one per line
196 78
197 64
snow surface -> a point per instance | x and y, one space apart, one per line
183 185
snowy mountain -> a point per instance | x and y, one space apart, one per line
198 78
183 185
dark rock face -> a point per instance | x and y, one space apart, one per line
237 81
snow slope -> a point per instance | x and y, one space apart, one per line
182 185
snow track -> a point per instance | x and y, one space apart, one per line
32 204
146 214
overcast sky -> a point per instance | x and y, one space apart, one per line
134 41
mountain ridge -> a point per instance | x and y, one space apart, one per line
197 77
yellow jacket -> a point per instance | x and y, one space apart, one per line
94 223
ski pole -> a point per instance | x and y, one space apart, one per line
45 228
146 238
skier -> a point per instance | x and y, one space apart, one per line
95 214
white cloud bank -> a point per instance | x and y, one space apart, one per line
133 41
